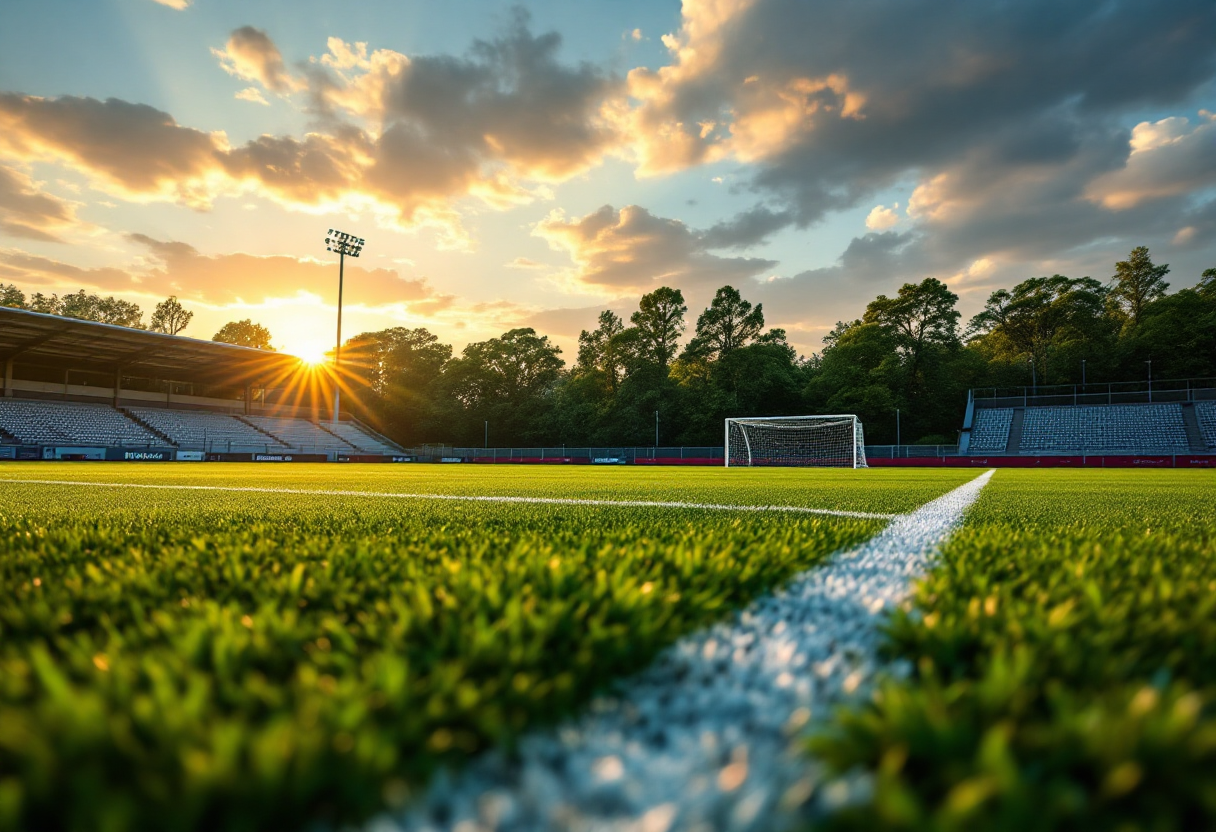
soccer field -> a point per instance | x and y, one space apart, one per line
259 646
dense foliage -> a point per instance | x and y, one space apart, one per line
907 352
1065 655
177 659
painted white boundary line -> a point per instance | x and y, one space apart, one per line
470 498
705 739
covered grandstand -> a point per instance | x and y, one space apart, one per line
82 390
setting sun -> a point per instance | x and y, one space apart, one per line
311 352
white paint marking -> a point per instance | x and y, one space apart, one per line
470 498
705 738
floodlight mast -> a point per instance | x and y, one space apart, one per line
344 244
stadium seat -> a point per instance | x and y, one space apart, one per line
1111 429
196 430
990 430
64 423
1205 413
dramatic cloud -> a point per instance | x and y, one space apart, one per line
426 131
632 251
509 105
1168 158
27 212
133 150
835 101
251 55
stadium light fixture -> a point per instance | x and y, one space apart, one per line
344 245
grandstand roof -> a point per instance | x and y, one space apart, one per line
55 341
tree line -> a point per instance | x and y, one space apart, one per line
169 316
909 352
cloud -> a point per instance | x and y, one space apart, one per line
133 150
631 250
832 102
507 106
881 218
406 138
251 55
177 268
179 5
1168 157
26 211
748 228
253 95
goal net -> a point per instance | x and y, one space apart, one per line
823 441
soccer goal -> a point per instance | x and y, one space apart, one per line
822 441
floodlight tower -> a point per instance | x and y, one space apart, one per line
344 244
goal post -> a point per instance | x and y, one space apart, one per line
796 441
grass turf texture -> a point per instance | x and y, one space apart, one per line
1065 655
188 659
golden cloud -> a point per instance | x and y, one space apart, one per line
26 211
631 250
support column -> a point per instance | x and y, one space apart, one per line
117 385
248 399
8 378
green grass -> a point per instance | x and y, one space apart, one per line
1065 655
223 660
878 490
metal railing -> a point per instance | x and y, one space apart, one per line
1121 392
557 453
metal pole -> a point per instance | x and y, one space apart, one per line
656 432
1082 375
487 433
897 430
1150 379
338 348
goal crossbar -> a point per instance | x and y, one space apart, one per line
829 440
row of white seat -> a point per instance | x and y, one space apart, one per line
62 423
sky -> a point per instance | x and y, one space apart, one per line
535 163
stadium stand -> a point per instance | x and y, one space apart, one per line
302 435
356 436
1144 429
1205 412
203 431
60 423
991 430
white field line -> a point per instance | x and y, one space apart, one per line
469 498
707 737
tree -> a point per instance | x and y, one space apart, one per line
401 371
1042 315
1207 283
11 296
729 323
41 303
659 322
109 310
244 334
1137 283
920 315
170 316
603 350
511 381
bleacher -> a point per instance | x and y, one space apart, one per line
61 423
302 435
360 439
1114 429
990 432
194 430
1205 414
